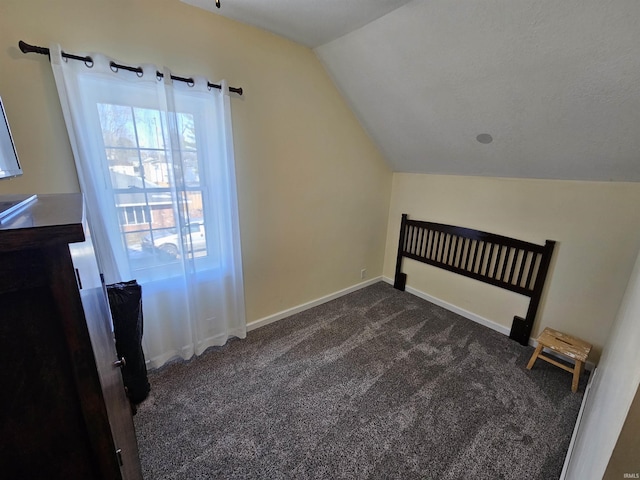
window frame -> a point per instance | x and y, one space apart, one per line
211 260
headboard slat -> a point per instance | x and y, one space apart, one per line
483 256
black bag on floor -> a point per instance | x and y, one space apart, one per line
125 301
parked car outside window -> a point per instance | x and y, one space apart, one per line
168 241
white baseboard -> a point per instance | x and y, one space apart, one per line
261 322
473 317
452 308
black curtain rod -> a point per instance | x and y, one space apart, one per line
26 48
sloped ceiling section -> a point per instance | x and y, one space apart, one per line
555 84
308 22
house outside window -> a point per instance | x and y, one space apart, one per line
135 215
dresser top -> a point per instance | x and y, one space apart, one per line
48 220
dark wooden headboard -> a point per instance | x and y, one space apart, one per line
505 262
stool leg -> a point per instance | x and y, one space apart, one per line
577 370
533 358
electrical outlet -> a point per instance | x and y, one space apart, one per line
363 273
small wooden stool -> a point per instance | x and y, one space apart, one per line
571 347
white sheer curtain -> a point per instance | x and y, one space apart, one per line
155 162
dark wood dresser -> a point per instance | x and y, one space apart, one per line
63 408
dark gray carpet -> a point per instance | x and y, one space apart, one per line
377 384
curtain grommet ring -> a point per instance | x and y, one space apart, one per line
113 67
140 73
190 82
88 62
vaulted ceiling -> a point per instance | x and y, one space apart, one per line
509 88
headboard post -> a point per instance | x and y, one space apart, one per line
521 327
400 280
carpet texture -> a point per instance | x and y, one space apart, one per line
377 384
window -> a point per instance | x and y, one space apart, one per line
142 168
155 162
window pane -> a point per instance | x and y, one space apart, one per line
187 131
133 241
149 209
124 168
193 201
166 241
117 125
140 256
162 213
191 171
156 168
123 159
195 235
135 215
149 128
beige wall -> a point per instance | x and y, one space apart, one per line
313 190
608 407
596 225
